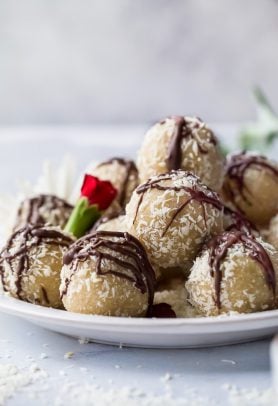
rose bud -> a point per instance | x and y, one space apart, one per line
95 197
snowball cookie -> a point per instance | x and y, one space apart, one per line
43 209
234 273
173 215
31 262
107 273
251 186
181 143
176 296
272 232
122 174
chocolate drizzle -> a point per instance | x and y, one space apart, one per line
130 169
119 248
206 196
183 129
238 222
218 249
29 211
236 167
16 253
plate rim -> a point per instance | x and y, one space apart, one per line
10 305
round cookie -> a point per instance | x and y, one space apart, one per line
43 209
251 186
31 262
181 143
122 174
234 273
173 215
107 273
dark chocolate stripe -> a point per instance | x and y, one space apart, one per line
218 249
182 130
238 221
34 204
133 262
30 236
195 194
236 168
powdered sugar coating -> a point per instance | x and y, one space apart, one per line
243 287
153 154
188 231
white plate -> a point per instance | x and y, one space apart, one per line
91 144
148 333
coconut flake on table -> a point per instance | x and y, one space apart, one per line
14 380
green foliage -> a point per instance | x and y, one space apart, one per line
261 134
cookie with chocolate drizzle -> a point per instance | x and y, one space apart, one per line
173 214
180 142
43 209
251 186
123 175
107 273
235 272
31 262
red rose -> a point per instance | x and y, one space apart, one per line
98 191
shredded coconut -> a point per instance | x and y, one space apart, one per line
73 394
13 379
68 355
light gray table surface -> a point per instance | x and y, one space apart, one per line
205 371
186 374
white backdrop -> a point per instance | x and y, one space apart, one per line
126 61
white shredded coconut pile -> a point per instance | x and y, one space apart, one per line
251 396
14 379
73 394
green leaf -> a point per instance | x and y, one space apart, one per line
261 134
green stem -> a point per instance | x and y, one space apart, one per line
262 100
82 218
